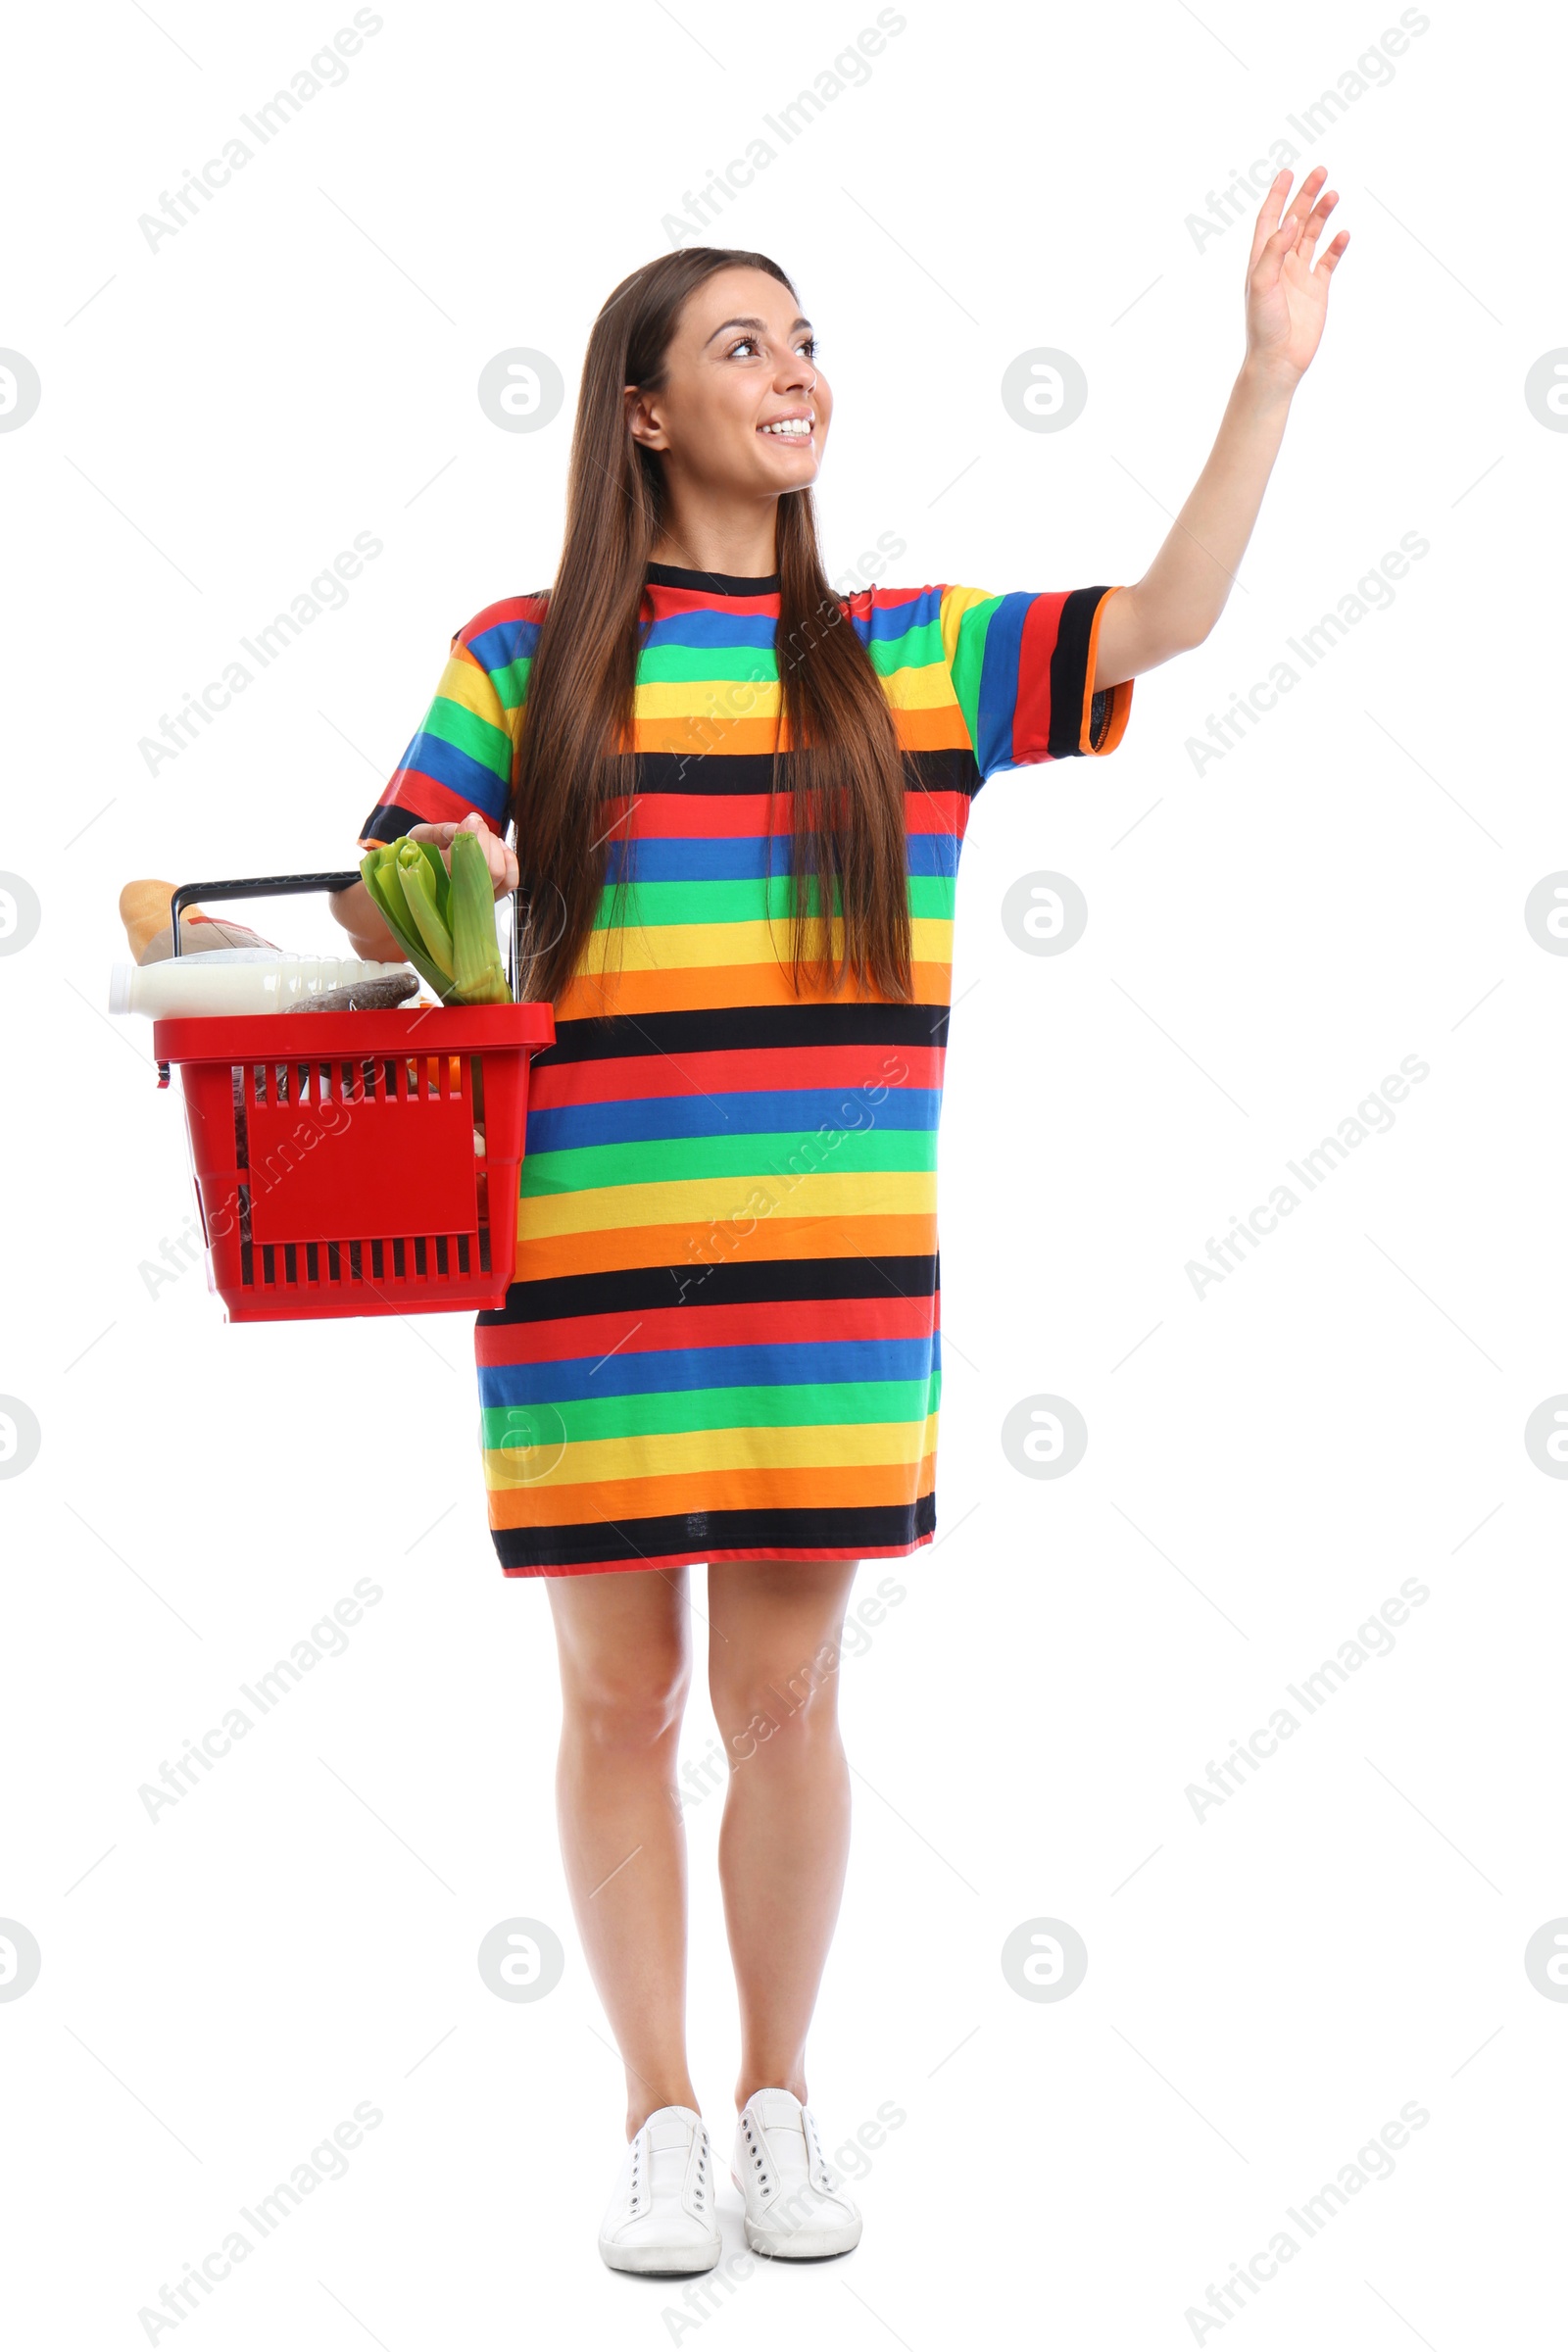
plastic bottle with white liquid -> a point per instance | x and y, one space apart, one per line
250 982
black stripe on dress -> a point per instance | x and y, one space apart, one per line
1069 674
745 1028
728 1282
718 773
875 1528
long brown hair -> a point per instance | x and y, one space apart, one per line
848 829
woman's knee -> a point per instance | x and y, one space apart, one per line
775 1653
778 1713
625 1658
627 1701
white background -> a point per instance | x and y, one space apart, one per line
1267 1985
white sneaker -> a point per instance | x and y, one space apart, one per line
660 2218
796 2205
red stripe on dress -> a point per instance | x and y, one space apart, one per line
935 811
668 603
744 815
766 1069
424 799
866 601
688 1559
742 1323
1031 718
495 617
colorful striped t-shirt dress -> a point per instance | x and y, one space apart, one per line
722 1339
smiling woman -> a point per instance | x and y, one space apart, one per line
740 801
722 1339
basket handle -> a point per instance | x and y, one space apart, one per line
279 886
259 886
282 886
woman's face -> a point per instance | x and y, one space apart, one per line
744 411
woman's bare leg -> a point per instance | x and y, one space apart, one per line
625 1669
774 1628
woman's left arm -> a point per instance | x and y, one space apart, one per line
1175 604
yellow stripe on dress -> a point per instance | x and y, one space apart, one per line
465 682
596 1461
692 947
956 603
918 686
697 1202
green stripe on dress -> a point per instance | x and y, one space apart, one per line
919 647
697 1159
968 659
586 1420
467 732
750 898
510 682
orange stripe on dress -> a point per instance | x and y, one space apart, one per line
1121 693
695 1247
779 1487
695 734
594 995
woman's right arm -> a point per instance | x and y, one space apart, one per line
369 935
461 756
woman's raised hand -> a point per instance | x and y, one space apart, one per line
1287 298
503 865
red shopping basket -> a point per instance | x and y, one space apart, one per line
354 1163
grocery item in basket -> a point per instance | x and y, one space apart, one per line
361 996
144 911
201 984
444 921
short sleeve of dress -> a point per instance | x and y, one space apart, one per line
1021 666
460 756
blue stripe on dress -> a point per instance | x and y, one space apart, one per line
710 629
998 682
887 623
795 1112
508 640
664 1371
676 858
461 773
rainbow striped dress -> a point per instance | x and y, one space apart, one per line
722 1339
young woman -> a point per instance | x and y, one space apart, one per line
721 1344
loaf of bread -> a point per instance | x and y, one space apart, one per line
144 911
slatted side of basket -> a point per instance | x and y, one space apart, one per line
331 1185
